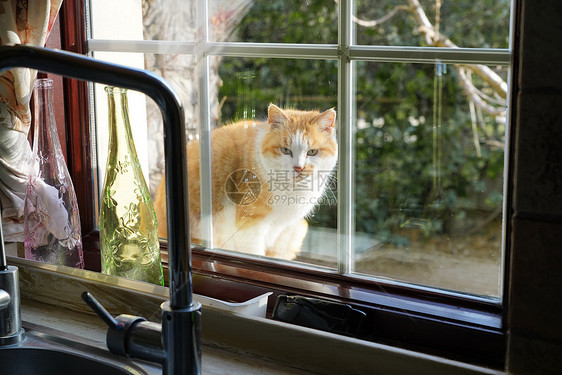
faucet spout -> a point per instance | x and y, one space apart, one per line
181 315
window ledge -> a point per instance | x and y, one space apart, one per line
290 349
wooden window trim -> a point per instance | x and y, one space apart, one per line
397 314
73 38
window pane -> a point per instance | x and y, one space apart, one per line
261 184
429 174
480 24
180 71
169 20
277 21
107 20
146 119
137 114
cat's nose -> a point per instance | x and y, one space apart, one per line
297 168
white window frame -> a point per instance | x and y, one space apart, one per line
346 53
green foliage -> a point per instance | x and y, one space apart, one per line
415 158
287 83
293 21
478 24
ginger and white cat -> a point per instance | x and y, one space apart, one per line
266 178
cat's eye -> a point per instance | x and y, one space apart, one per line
312 152
286 151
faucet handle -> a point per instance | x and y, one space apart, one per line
101 311
130 336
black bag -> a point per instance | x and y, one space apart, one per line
320 314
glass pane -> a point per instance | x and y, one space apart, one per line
180 71
277 21
170 20
259 197
118 20
480 24
137 114
429 174
146 120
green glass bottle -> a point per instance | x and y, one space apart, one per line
128 226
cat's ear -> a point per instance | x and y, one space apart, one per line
327 121
275 117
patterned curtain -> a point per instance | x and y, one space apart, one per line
21 22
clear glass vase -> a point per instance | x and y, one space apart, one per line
128 227
51 217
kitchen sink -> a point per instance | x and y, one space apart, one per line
45 351
31 361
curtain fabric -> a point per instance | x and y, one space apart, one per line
21 22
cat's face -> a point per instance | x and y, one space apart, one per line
299 145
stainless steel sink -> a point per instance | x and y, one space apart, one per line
45 351
32 361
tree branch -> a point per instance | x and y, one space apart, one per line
474 95
383 19
437 39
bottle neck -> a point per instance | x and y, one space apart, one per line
120 134
45 137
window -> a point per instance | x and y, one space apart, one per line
411 226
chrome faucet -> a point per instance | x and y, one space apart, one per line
11 331
176 342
